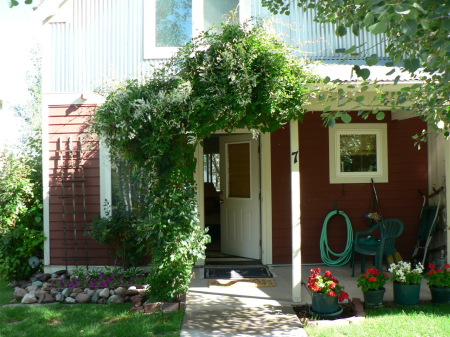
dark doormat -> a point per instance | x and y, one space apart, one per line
237 273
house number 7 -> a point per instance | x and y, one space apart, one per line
295 154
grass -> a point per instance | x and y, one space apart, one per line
54 320
424 320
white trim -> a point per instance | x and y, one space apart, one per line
46 181
296 222
105 178
198 176
447 194
266 193
379 176
86 98
266 199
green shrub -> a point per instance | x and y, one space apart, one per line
120 231
21 234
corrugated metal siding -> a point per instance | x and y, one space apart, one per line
102 42
316 41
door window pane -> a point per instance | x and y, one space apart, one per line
173 22
238 170
358 153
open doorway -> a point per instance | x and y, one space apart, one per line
232 199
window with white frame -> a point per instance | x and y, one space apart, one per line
169 24
358 153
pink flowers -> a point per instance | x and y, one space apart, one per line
326 284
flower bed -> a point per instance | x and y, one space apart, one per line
100 287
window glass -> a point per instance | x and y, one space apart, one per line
173 22
238 170
217 11
358 153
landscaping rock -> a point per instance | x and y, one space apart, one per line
66 292
83 298
60 272
37 283
30 288
59 297
95 297
43 277
104 293
131 291
28 299
77 290
46 298
121 291
90 292
19 293
54 291
137 300
101 300
116 299
70 300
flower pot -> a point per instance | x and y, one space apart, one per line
324 304
406 294
440 295
374 298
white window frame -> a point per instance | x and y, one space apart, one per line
377 129
153 52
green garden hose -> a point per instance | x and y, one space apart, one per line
325 252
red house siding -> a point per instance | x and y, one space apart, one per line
408 173
71 121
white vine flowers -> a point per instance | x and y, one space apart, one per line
402 272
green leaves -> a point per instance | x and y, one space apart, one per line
378 28
372 60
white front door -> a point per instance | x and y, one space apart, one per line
240 187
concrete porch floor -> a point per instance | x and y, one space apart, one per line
265 311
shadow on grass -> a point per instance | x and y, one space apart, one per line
391 309
86 320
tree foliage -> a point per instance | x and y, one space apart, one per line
227 78
417 36
21 218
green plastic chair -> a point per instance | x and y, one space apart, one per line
389 229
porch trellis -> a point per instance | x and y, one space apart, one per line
71 164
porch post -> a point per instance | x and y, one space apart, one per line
198 176
295 206
447 193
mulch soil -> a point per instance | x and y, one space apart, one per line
305 316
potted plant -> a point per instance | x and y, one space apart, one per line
407 282
439 283
372 285
326 292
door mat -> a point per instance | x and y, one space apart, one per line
245 282
237 273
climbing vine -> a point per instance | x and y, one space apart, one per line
229 77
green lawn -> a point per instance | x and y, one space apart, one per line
394 321
82 320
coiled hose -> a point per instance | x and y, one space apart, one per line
325 252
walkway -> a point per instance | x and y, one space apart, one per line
250 311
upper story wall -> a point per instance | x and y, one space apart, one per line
93 42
